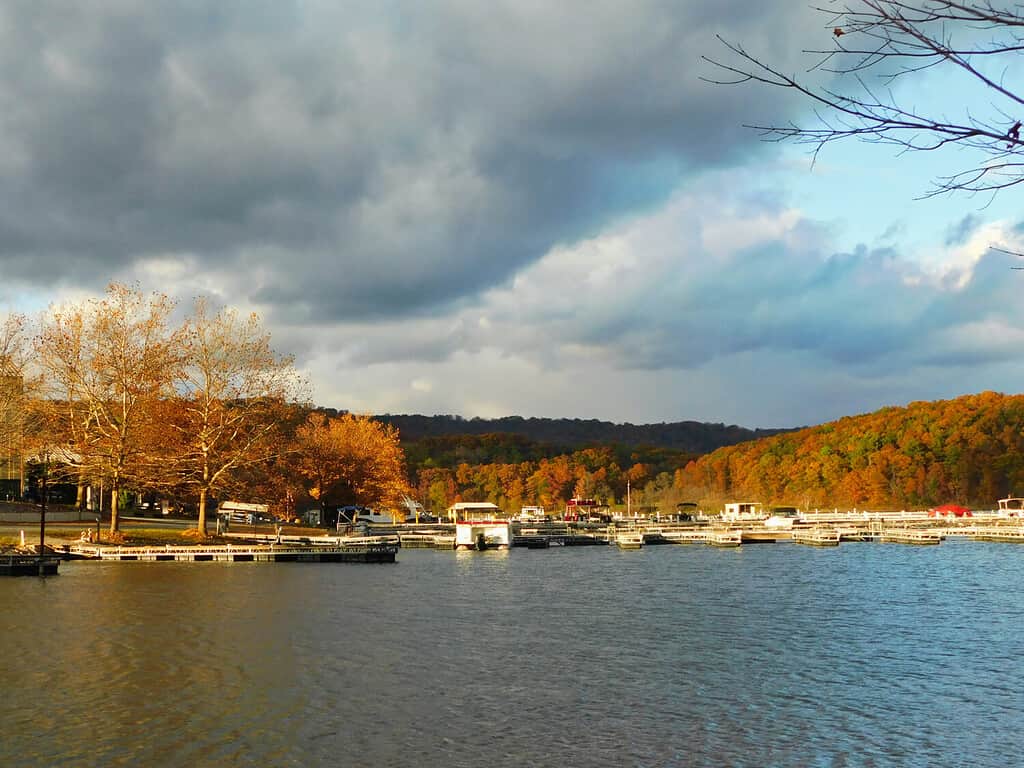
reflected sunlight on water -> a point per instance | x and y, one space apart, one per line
678 655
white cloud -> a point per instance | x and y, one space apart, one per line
490 208
674 315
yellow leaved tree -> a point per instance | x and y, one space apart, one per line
351 459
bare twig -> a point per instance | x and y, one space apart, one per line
892 39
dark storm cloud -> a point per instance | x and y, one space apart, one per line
353 160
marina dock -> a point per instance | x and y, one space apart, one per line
629 540
830 530
910 536
373 549
28 565
817 536
633 534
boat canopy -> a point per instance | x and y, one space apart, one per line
952 509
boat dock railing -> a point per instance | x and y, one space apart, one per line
906 535
1000 533
692 536
818 535
309 541
336 550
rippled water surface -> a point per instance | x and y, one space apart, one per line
864 655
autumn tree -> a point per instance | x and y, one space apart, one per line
436 487
12 393
354 453
63 404
873 46
234 390
109 362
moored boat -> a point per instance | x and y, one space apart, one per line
1011 506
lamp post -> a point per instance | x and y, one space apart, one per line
42 512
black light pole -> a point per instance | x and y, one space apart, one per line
42 515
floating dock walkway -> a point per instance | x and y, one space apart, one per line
28 565
816 536
819 530
372 549
910 536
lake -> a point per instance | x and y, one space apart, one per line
774 654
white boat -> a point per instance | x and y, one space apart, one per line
532 515
744 511
480 535
1011 506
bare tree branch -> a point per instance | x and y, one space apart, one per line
886 40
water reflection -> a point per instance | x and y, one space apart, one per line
775 655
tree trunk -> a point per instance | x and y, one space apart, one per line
201 524
114 520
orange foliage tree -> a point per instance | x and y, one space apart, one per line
234 390
110 361
353 457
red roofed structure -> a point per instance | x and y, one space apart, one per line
951 510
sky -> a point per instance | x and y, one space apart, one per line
504 208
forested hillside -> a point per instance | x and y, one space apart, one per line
517 461
601 473
969 450
691 436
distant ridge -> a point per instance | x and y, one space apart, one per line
690 436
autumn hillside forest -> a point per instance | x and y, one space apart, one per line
969 450
125 395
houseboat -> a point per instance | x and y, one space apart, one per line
585 510
532 515
743 511
1011 506
479 526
